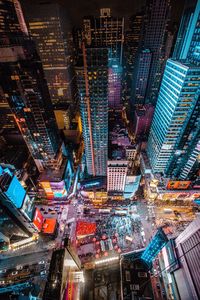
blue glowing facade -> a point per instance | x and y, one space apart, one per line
92 77
15 199
157 243
11 188
188 42
176 103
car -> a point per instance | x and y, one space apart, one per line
14 273
3 271
41 262
19 267
2 282
43 272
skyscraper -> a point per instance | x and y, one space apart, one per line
132 42
105 31
176 101
173 146
187 37
92 79
156 20
114 85
187 249
140 82
25 89
46 29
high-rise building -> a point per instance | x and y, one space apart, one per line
132 42
114 85
105 31
25 89
157 16
116 175
46 29
187 37
139 85
174 111
187 250
185 162
176 145
92 79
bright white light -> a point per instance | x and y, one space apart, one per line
107 260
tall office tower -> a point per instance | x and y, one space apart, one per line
176 102
114 85
193 51
187 30
156 26
187 249
185 162
116 175
105 31
25 89
46 29
92 79
141 80
132 42
15 200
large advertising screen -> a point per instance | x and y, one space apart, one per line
38 219
178 185
16 192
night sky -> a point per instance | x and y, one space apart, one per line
76 9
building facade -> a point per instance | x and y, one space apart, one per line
92 79
25 89
176 102
116 175
46 29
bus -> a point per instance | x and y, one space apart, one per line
104 211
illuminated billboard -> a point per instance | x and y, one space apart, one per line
178 185
38 219
16 193
54 189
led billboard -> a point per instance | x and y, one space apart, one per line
38 219
15 192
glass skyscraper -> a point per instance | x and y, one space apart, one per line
25 88
92 79
176 102
46 29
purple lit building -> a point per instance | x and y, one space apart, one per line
142 121
114 83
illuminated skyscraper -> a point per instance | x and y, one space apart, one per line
132 42
176 104
187 38
105 31
25 89
156 20
92 79
46 29
114 85
141 80
173 146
